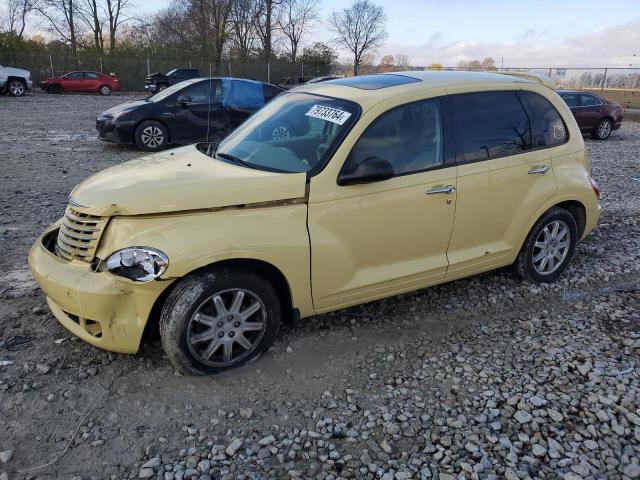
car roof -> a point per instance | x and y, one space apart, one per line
359 89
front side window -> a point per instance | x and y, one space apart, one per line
409 137
551 123
492 125
589 100
74 76
295 132
199 93
571 99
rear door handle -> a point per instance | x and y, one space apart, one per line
446 189
541 169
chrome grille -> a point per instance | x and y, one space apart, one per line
79 235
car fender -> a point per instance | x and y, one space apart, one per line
275 234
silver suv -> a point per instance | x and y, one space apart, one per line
15 81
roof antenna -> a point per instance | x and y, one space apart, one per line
209 109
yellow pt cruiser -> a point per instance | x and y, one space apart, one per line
332 195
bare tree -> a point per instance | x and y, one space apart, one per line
242 29
360 28
402 61
89 11
266 19
60 15
115 11
17 12
296 17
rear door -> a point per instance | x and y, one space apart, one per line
590 111
91 81
504 175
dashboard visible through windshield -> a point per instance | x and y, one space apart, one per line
295 132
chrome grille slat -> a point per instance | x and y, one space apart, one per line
79 235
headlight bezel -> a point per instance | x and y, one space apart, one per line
139 264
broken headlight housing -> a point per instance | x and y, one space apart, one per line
140 264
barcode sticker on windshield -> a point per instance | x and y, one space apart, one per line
329 114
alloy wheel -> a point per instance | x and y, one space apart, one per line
105 90
226 327
551 247
17 89
152 136
604 129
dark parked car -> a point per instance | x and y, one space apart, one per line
200 109
290 82
156 82
81 82
595 115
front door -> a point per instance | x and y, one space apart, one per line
377 239
504 176
590 111
72 82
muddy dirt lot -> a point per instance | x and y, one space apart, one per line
486 377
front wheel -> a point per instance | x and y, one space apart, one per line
105 90
548 248
217 320
151 136
603 130
17 88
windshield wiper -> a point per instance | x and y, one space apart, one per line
234 159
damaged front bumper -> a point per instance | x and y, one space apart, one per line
98 307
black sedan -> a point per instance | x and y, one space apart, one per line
200 109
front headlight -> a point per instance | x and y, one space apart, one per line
140 264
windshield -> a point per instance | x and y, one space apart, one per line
161 95
295 132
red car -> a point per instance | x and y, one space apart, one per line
594 114
81 82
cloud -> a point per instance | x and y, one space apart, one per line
613 45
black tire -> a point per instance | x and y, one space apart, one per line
195 294
105 90
151 136
54 89
526 265
603 130
17 87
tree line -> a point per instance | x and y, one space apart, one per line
216 30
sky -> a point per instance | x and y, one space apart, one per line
516 33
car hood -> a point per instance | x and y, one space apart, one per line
114 111
179 180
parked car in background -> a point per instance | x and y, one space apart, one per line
290 82
191 111
392 183
594 114
156 82
88 81
15 81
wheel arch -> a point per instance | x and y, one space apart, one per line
265 269
135 128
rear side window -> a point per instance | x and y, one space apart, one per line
91 75
551 124
589 100
409 137
492 125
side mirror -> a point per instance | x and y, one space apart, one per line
373 169
185 100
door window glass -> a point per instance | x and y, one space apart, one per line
91 75
409 137
199 93
74 76
589 100
492 125
550 121
571 100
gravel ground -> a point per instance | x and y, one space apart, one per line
485 377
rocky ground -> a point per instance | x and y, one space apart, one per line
485 377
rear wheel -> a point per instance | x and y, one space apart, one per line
549 247
603 130
151 136
105 90
217 320
17 88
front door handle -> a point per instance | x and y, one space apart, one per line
446 189
541 169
